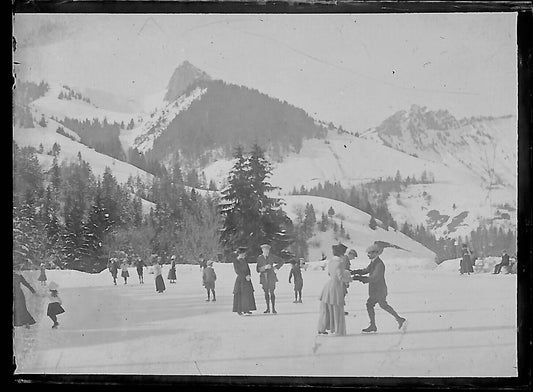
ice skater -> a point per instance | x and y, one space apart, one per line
42 275
377 288
243 290
296 273
331 314
466 261
139 265
158 274
267 275
172 271
209 278
124 271
348 257
113 268
54 304
21 316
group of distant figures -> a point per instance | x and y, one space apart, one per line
467 262
332 298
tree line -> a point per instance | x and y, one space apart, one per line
71 218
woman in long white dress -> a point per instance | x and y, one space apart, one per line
331 317
158 273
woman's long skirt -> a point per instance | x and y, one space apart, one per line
243 296
42 276
332 318
171 274
159 284
21 315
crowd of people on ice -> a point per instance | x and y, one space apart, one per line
331 318
332 298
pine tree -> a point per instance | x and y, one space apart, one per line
97 226
251 217
309 219
331 211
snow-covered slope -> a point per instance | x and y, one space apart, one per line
47 136
356 224
342 158
50 105
485 146
143 135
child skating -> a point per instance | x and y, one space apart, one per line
42 276
125 273
209 278
296 272
54 304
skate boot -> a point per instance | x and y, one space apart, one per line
267 310
401 322
370 328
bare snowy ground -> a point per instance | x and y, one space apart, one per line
457 326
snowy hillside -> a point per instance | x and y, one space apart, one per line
355 222
486 146
47 136
50 105
340 158
458 197
473 161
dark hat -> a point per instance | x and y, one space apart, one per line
242 249
339 248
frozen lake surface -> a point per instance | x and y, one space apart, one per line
458 326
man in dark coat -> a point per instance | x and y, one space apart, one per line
266 263
139 265
113 268
243 290
504 262
377 288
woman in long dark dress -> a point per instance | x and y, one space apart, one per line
466 262
243 291
42 275
172 271
21 316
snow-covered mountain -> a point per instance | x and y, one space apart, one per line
486 146
472 160
183 76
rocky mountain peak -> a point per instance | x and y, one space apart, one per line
184 75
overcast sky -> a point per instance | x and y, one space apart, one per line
352 69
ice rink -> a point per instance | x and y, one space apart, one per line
457 326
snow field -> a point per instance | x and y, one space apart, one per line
457 326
